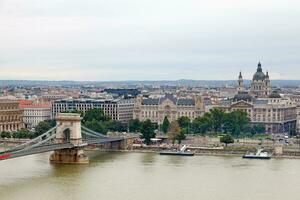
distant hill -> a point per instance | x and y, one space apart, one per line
182 82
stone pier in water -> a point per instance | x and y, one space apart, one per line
69 131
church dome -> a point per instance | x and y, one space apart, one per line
242 96
259 75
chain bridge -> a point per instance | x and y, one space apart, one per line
67 140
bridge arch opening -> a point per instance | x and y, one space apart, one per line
67 135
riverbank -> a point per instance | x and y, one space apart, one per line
204 151
198 145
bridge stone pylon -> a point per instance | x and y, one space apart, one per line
69 131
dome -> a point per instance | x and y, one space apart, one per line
242 96
275 94
259 75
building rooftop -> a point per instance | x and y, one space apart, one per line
175 100
242 96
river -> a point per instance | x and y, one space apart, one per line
148 176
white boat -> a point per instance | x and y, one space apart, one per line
260 154
181 152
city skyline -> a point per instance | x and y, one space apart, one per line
141 40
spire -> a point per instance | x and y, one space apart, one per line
267 74
259 67
240 76
240 83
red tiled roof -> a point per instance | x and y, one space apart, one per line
35 106
30 104
25 102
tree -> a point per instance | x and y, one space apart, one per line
116 126
100 127
134 125
182 135
184 122
174 131
44 126
217 119
147 131
257 129
52 122
96 120
236 122
23 133
5 134
166 125
202 124
227 139
95 114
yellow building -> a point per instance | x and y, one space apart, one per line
156 109
11 116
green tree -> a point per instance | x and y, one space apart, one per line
182 135
147 131
95 114
23 133
202 124
100 127
236 122
227 139
184 122
116 126
257 129
134 125
44 126
166 125
5 134
96 120
217 119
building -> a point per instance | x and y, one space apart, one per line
34 113
11 116
240 83
118 109
278 114
260 86
123 91
156 109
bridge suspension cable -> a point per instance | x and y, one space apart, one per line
30 142
93 132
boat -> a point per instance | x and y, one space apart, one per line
260 154
175 152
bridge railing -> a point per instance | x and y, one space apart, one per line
29 143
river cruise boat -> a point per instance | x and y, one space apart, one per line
181 152
260 154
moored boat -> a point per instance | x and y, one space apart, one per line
181 152
260 154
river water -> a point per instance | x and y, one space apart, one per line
136 176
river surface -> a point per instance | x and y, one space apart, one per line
143 176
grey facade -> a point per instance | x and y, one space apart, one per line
117 109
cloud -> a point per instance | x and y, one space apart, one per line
139 39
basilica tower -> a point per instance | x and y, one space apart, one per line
240 83
260 86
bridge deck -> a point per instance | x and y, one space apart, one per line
52 147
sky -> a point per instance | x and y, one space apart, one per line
112 40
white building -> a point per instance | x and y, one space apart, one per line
35 113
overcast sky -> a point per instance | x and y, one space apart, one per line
148 39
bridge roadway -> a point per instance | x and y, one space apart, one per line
52 147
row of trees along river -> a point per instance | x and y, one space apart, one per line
216 122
